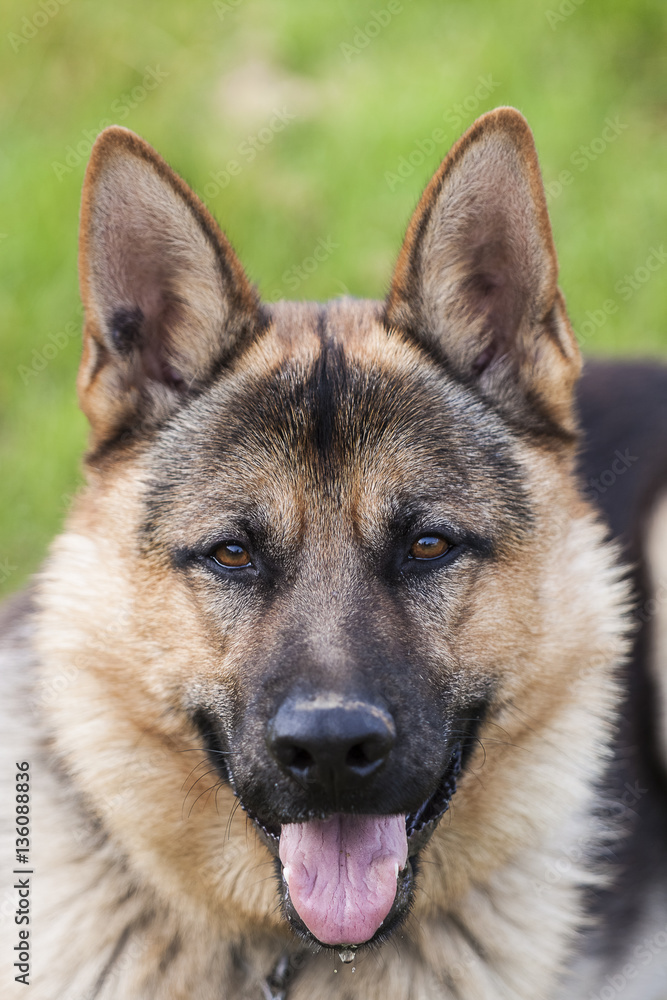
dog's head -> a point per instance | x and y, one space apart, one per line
329 557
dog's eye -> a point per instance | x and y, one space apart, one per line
231 555
429 547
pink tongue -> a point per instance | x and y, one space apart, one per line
342 873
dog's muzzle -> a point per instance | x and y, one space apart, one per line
346 877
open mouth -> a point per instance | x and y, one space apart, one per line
347 879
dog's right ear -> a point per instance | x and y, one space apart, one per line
165 297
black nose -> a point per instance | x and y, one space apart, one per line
331 742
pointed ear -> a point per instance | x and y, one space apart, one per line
165 297
475 281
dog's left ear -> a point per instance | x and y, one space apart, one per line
165 297
475 281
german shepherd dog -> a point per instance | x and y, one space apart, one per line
317 692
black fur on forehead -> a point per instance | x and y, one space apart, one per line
311 423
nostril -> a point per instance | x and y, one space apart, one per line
357 756
361 755
302 760
330 741
295 757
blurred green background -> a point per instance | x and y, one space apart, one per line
360 87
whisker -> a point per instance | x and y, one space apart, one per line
232 813
211 770
207 750
194 769
209 790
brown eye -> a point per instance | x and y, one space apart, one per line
429 547
232 556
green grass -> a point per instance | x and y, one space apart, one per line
357 113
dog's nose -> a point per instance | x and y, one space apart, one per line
331 742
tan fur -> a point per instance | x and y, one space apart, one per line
139 852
